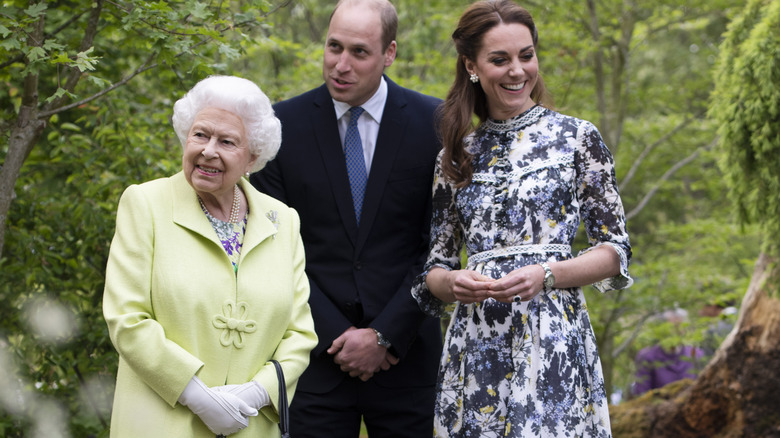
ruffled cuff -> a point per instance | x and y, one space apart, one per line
429 303
621 281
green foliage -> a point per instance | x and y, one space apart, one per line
642 73
288 60
674 269
61 226
643 77
746 105
58 364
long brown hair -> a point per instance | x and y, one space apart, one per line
465 98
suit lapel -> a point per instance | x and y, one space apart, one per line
329 144
391 132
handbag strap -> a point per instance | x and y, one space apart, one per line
284 410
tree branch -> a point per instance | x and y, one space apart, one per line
621 80
86 43
74 74
20 57
634 334
638 327
22 137
50 112
635 166
598 66
672 170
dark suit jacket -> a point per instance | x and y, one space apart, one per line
361 276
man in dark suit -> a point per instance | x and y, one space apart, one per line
365 233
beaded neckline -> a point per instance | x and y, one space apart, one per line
515 123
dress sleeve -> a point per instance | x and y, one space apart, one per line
601 209
445 244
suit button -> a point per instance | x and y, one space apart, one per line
358 266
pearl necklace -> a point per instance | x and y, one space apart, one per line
234 210
236 205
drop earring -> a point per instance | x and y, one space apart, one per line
474 78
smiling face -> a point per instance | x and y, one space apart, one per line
507 68
354 58
216 153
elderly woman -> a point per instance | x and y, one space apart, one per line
205 281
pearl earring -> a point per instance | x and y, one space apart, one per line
474 78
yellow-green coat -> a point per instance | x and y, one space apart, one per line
175 308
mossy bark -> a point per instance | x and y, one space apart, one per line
737 394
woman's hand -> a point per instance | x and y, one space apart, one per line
524 283
251 392
223 413
460 285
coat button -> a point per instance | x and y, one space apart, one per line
358 266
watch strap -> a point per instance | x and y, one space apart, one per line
380 339
549 278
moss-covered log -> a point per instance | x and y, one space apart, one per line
737 394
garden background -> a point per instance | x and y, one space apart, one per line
683 93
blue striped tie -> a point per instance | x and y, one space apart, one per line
356 165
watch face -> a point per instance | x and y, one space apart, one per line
549 278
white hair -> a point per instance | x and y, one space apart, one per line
241 97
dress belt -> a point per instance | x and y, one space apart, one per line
517 250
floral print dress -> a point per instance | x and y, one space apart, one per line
528 369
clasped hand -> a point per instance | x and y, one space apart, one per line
224 410
356 351
472 287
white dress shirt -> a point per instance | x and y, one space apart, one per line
368 124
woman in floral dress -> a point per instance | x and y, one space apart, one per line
520 356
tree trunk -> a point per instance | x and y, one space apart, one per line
23 137
738 393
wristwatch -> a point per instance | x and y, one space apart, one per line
549 278
381 340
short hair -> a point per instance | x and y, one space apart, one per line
387 15
241 97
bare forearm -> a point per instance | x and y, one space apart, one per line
438 284
528 281
591 267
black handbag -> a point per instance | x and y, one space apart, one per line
284 408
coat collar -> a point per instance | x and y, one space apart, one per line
188 214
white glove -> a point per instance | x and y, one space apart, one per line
223 413
251 392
